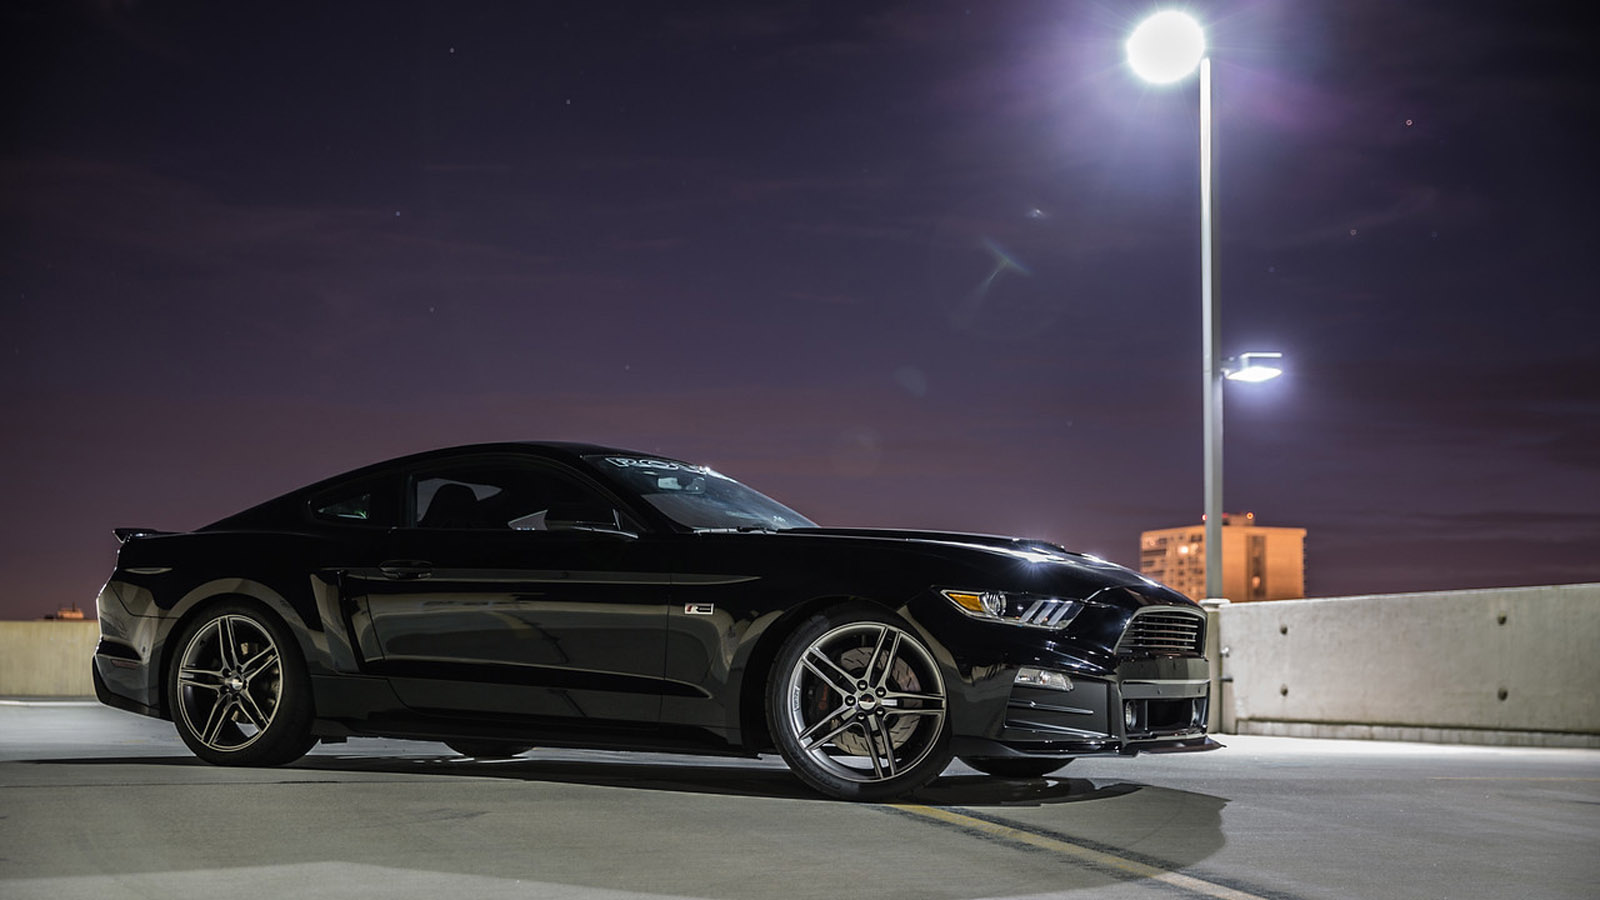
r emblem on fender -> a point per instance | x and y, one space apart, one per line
700 609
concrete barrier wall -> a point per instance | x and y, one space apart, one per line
47 658
1501 666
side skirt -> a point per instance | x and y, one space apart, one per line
366 706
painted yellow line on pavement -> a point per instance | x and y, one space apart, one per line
1086 854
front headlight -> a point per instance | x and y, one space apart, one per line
1037 610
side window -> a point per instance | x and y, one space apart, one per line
511 496
358 508
370 503
453 501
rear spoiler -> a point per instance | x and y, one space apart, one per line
123 534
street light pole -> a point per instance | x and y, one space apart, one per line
1211 361
1164 49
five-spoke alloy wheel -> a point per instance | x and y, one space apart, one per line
237 688
857 706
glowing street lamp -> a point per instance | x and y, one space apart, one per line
1244 367
1165 48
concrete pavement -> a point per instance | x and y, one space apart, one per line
104 804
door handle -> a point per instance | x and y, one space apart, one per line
406 569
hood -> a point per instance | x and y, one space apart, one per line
1079 566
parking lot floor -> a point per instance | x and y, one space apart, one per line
98 803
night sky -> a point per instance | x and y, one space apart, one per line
922 264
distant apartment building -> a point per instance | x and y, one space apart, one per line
1258 562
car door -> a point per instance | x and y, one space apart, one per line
520 588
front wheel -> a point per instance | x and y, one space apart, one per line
857 706
1015 767
238 690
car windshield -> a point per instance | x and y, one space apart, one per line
696 496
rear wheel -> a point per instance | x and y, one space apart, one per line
488 749
857 706
238 690
1015 767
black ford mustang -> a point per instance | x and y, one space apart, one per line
501 596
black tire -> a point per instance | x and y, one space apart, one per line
237 688
857 706
1015 767
488 749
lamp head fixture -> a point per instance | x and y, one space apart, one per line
1244 367
1166 47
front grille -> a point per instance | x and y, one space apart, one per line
1163 632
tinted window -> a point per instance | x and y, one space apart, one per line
517 496
369 502
358 507
697 496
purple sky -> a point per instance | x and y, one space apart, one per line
246 245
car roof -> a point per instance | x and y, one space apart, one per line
555 449
283 509
562 450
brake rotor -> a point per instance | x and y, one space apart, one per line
902 678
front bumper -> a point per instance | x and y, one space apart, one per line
1145 705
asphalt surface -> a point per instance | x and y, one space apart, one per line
96 803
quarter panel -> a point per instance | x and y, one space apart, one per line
160 581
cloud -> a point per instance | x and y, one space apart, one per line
1454 562
827 299
1542 411
119 266
185 229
